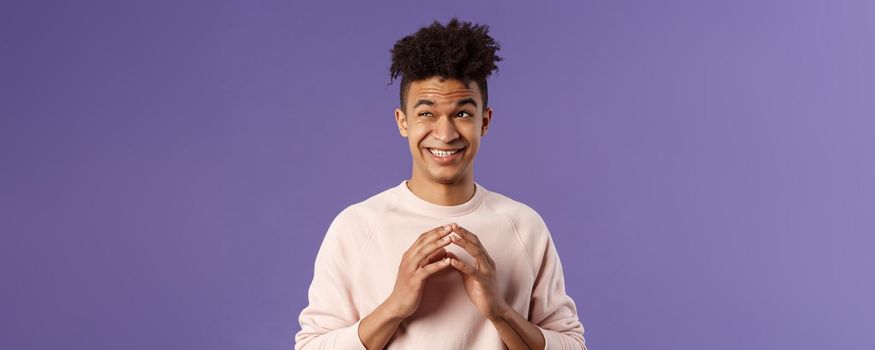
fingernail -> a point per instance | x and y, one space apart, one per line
446 239
446 227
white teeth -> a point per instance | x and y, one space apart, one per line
440 153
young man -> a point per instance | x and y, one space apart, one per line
439 261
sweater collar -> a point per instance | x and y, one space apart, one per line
412 201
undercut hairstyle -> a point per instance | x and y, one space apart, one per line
459 50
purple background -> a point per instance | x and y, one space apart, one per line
169 168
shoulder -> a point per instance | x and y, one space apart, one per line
356 219
524 218
528 225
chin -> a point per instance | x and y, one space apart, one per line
444 178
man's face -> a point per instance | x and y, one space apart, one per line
443 115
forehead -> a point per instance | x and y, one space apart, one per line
442 91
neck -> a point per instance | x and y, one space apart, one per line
454 193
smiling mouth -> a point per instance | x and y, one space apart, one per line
445 153
446 157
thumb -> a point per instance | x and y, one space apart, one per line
453 256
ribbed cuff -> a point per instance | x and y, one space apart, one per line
549 342
348 338
554 340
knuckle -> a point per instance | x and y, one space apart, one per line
409 269
407 258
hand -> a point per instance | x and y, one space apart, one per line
424 258
479 280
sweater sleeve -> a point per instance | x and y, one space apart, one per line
552 310
331 320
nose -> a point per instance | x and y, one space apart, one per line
444 130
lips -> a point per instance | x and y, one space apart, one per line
445 149
442 150
446 159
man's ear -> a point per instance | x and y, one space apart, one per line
487 118
401 120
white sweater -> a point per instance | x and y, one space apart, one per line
358 261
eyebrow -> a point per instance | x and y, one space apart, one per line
467 100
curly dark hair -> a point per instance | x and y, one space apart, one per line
459 50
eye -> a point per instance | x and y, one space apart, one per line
423 114
464 112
